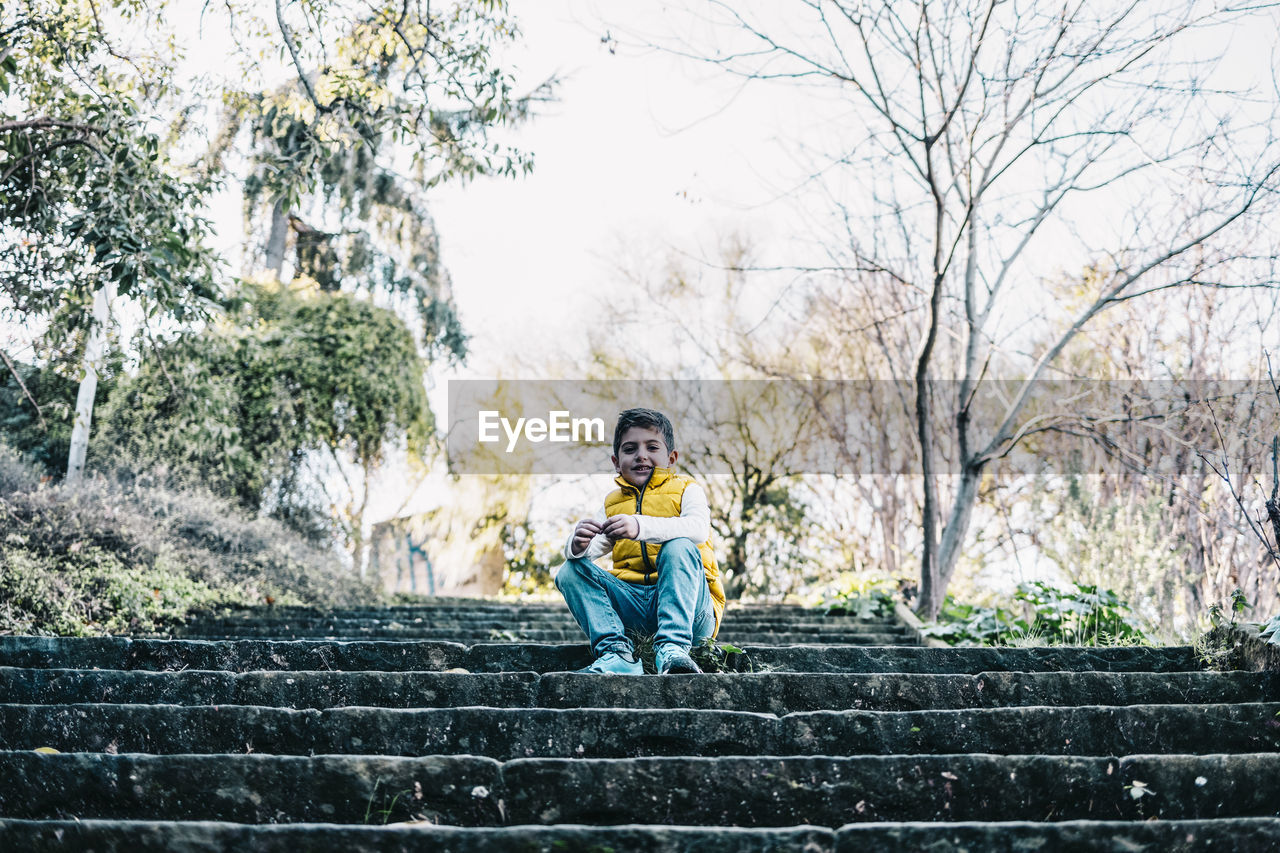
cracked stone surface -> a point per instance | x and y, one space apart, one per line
428 727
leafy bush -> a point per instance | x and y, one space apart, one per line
244 405
866 599
1082 615
103 557
971 624
1270 630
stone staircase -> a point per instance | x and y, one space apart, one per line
454 725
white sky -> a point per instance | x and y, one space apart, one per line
640 149
641 152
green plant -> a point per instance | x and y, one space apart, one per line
389 807
1270 630
296 378
1214 648
1239 604
1082 615
710 655
714 656
864 599
971 624
866 604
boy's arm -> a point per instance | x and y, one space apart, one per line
694 521
597 547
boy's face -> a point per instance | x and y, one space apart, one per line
641 450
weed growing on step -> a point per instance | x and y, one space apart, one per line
1239 604
1217 648
383 815
722 657
710 655
1213 651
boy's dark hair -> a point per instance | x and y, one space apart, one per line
648 419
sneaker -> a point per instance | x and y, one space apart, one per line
673 660
614 663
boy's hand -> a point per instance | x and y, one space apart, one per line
622 527
586 530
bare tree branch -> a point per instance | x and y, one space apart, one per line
13 370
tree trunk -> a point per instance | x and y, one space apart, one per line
359 542
933 591
276 239
94 350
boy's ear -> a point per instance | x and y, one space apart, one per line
617 469
672 460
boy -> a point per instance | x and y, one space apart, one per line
664 580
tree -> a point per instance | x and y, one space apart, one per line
385 99
42 433
995 143
91 204
250 406
88 193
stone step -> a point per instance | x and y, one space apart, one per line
814 626
757 791
486 624
535 636
510 733
243 655
1245 835
556 609
369 620
553 604
772 693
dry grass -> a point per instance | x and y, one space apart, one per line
106 557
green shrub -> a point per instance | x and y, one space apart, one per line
1082 615
869 604
93 591
1270 630
866 599
970 624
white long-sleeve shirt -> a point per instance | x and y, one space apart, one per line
693 522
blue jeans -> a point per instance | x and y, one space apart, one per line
677 608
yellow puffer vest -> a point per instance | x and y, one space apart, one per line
661 499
